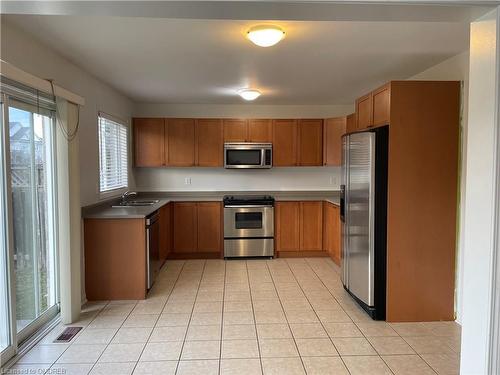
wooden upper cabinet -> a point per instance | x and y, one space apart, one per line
149 142
185 227
287 226
209 143
310 150
311 226
351 123
209 226
284 143
333 130
260 131
364 112
181 140
381 105
235 130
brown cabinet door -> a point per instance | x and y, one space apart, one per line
331 231
337 237
364 112
165 231
327 228
333 130
209 226
149 142
382 105
209 143
260 131
311 226
287 226
351 123
310 142
235 130
184 224
181 137
284 143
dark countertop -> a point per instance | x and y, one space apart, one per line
104 210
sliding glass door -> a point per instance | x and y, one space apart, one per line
32 191
30 258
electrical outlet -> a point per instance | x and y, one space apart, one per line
334 180
187 181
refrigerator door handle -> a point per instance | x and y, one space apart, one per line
342 203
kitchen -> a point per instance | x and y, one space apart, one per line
219 225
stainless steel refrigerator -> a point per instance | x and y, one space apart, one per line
363 211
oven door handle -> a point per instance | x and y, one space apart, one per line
249 206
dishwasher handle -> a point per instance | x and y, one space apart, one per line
153 218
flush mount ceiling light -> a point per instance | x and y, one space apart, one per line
249 94
265 35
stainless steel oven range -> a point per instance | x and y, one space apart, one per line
248 226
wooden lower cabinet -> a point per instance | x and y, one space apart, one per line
197 230
332 239
311 226
287 226
299 228
184 227
209 226
115 259
165 231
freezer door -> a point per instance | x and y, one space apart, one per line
344 189
360 216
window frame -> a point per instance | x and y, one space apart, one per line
117 191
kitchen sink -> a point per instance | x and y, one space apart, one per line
136 203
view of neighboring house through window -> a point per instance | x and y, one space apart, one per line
113 154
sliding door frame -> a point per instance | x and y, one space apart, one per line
18 338
9 230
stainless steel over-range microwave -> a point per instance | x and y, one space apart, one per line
248 155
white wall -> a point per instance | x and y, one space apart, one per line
246 110
28 54
210 179
173 179
480 198
456 68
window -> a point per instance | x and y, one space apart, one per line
113 154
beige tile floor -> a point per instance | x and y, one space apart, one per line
283 316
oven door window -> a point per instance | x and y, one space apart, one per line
243 157
248 220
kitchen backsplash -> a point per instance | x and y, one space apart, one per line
210 179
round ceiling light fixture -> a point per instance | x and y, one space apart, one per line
265 35
249 94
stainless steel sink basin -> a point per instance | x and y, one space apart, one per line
136 203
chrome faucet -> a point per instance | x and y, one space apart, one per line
128 193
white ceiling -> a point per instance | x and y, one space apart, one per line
207 61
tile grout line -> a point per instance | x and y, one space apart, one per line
254 319
364 336
161 312
367 337
222 316
314 310
286 318
190 317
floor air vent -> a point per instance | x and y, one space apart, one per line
68 334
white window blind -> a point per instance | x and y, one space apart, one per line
113 154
